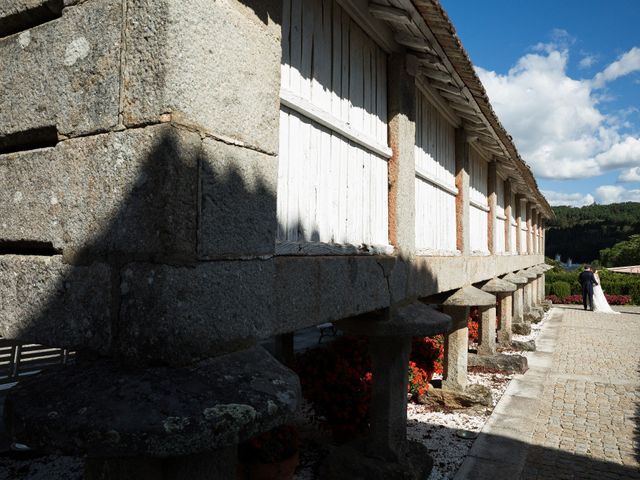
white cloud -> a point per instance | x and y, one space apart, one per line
554 119
570 199
616 194
626 64
630 175
587 61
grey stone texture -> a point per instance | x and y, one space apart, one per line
487 331
573 414
498 285
514 278
470 296
506 319
412 320
181 314
214 65
402 131
100 409
473 396
43 300
64 73
456 348
500 362
238 201
518 307
130 192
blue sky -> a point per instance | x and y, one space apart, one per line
564 78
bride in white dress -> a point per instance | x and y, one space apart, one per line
600 303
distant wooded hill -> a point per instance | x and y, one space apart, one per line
580 233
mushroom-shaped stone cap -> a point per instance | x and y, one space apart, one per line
102 409
498 285
515 278
538 269
546 267
470 296
413 320
528 274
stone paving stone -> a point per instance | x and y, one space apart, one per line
586 426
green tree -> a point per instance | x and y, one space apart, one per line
622 253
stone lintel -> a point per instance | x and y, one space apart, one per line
515 278
102 409
498 285
413 320
470 296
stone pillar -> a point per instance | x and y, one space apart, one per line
517 301
462 199
503 289
390 334
492 220
456 347
402 173
389 357
506 319
487 331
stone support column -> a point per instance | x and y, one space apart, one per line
390 336
462 199
517 301
506 319
492 197
503 289
487 331
402 173
389 357
456 346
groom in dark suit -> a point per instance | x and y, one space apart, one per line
587 281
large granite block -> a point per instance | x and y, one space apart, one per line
180 314
313 290
64 73
238 205
133 191
45 301
213 64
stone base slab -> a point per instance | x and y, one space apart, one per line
507 363
101 409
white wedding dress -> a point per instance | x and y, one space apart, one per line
600 303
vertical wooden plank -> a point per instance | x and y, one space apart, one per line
283 164
336 61
307 49
285 65
346 66
295 45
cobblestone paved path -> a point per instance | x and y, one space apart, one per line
576 413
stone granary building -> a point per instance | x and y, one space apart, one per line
180 179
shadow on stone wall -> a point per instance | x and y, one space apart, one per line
167 245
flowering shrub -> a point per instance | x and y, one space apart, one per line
577 299
336 379
273 446
428 353
474 319
418 380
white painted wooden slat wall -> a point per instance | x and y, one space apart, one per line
332 178
514 225
523 229
500 218
435 181
479 208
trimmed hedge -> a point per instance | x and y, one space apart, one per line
612 283
561 289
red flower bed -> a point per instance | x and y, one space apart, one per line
577 299
474 322
418 380
427 353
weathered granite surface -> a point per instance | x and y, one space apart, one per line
43 300
64 73
507 363
470 296
130 192
238 204
104 410
181 314
215 65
